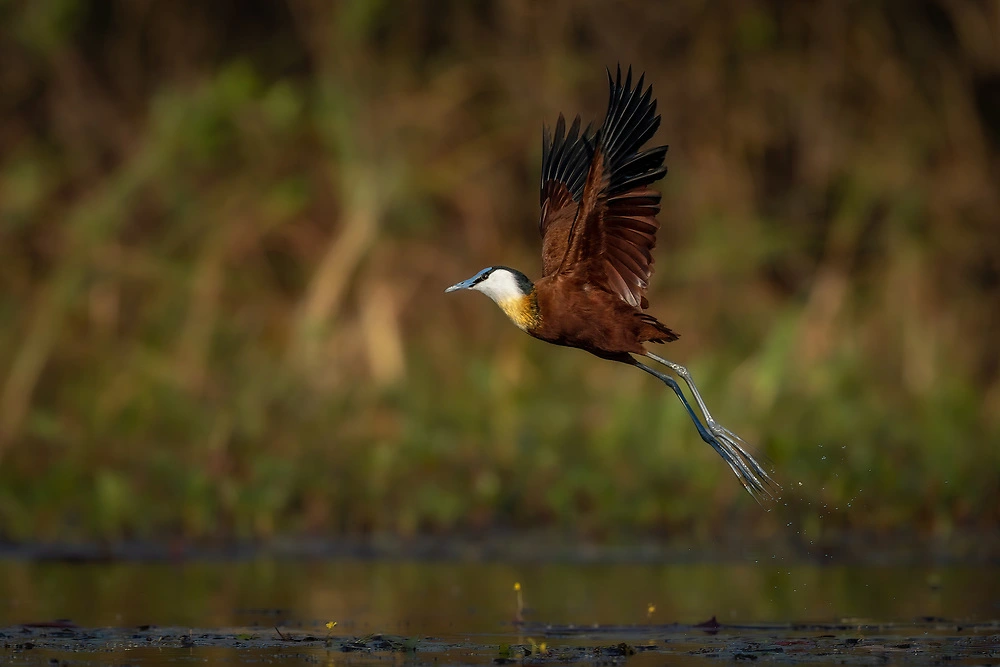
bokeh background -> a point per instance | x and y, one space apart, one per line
227 227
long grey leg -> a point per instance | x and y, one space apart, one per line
731 442
753 477
688 380
685 375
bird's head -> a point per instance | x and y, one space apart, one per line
510 289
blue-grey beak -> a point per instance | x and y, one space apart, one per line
465 284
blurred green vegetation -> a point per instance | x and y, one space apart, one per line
226 228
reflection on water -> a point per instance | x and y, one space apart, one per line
445 598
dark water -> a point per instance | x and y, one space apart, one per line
427 598
472 602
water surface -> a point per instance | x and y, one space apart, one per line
462 612
433 597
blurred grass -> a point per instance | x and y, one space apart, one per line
226 231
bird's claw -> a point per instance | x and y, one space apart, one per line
751 474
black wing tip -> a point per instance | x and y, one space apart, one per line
630 122
566 155
616 82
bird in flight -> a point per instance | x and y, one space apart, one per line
598 225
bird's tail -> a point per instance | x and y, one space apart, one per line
655 331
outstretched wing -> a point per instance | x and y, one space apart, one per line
613 230
565 159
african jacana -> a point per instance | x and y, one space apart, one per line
598 226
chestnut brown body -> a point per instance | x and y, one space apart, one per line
577 313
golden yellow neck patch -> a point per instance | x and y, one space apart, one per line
522 310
